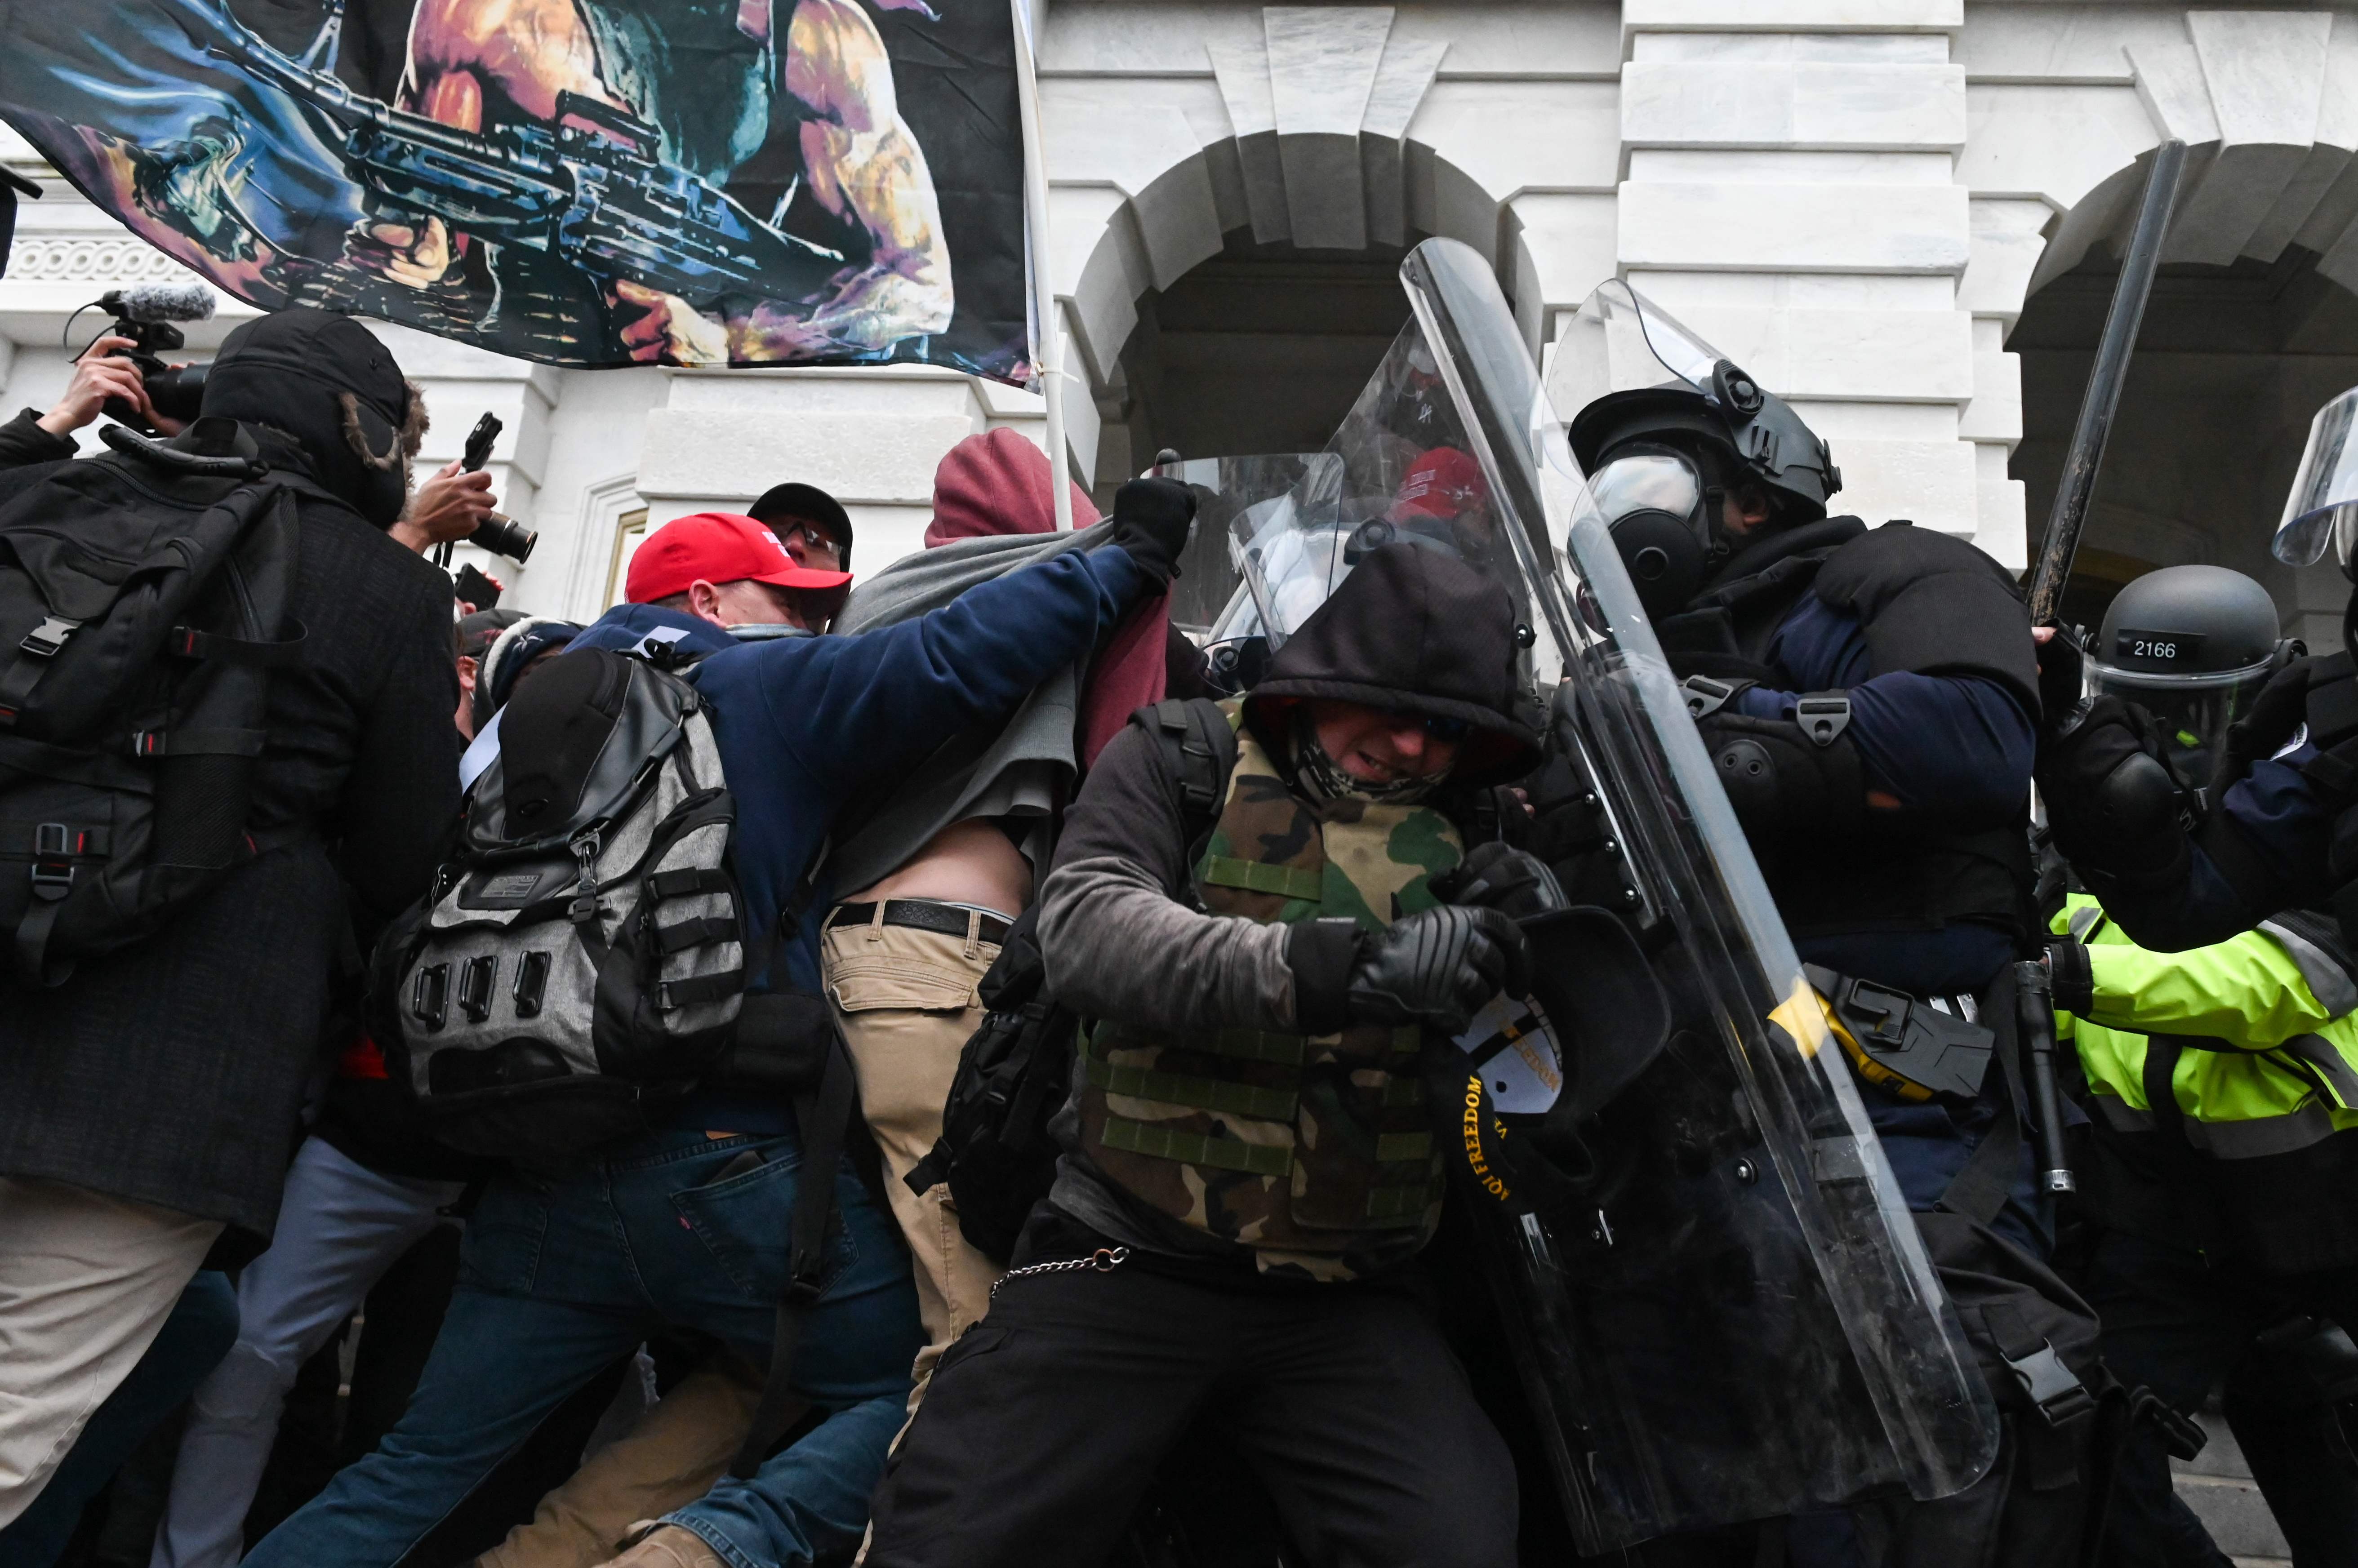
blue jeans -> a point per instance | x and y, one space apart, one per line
559 1279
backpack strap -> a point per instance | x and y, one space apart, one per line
1199 752
823 1117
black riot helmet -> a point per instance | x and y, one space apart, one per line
2192 646
1654 399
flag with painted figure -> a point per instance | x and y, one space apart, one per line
580 182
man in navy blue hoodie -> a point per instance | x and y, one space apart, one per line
687 1224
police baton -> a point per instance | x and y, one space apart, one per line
2034 1002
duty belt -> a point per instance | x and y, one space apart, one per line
1918 1048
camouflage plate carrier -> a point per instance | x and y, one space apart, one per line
1315 1151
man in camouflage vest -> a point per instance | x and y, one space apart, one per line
1249 1155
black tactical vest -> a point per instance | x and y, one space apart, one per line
1918 880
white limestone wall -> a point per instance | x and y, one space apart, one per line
1853 198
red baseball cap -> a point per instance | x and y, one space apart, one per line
717 548
1443 483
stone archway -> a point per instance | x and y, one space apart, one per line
1302 148
2252 324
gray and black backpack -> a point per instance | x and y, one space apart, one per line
582 959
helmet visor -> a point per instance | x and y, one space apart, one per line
2192 711
1620 341
1646 481
2322 509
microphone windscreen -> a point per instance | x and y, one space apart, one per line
188 300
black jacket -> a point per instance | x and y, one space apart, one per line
173 1072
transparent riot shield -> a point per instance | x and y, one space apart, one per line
1719 1302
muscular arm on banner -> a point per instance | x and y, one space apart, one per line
464 53
863 164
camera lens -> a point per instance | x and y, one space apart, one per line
178 394
504 535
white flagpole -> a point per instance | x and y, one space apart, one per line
1050 365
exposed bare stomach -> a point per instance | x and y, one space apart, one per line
966 862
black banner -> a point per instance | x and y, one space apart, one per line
581 182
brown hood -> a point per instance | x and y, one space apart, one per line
1415 632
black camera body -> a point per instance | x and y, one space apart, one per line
499 534
175 393
148 315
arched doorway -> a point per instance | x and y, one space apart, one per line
1260 348
2231 362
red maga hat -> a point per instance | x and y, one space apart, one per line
717 548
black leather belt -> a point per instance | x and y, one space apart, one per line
920 914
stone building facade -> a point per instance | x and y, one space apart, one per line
1902 214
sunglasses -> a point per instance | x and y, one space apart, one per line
814 539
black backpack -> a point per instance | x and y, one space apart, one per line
1016 1070
143 603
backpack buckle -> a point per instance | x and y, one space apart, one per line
49 639
1704 696
2055 1390
53 869
1823 716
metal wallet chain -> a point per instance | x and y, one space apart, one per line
1105 1260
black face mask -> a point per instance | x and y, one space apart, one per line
1659 510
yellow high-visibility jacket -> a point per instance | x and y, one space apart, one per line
2258 1039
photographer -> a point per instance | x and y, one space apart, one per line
149 1102
100 373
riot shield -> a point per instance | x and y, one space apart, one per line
1721 1307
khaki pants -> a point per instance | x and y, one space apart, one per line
86 1281
669 1458
907 1001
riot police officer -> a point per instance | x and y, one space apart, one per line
2272 827
1868 697
2223 1093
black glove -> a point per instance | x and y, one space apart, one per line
1151 520
1497 876
2265 727
2111 798
1439 967
2061 664
2071 977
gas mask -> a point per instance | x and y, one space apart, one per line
1659 509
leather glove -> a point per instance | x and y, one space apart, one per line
1151 520
1439 967
1497 876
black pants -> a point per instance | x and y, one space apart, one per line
1045 1424
2179 1327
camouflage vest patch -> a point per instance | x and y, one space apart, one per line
1317 1151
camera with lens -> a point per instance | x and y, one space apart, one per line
148 315
499 534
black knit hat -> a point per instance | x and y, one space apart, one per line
1412 630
